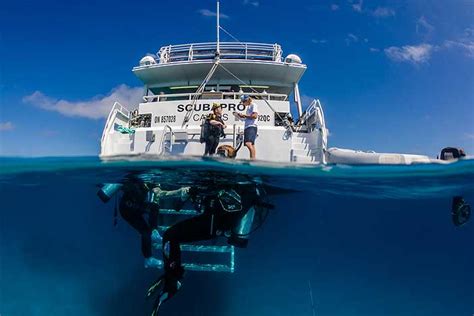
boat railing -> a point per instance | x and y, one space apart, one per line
166 148
117 108
313 115
228 50
215 95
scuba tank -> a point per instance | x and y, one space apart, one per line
250 221
205 130
108 190
240 234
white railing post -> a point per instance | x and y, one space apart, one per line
190 54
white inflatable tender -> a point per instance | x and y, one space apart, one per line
358 157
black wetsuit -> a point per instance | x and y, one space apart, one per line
214 221
214 134
133 209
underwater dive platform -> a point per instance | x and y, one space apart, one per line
225 252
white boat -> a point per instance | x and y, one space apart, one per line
181 82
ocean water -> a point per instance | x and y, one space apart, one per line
373 240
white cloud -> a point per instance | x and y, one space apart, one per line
6 126
374 50
334 7
423 26
95 108
254 3
206 12
321 41
351 38
412 54
383 12
464 45
357 6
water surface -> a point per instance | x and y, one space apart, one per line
370 240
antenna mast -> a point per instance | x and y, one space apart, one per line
218 30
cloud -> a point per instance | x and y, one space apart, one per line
321 41
254 3
334 7
6 126
379 12
206 12
383 12
412 54
423 26
351 38
374 50
469 135
465 43
95 108
357 7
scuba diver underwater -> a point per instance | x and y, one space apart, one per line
222 210
218 209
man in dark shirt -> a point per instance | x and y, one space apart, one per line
215 130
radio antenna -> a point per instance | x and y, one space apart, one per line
218 30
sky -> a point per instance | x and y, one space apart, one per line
392 76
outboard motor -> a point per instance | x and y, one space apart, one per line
461 211
451 153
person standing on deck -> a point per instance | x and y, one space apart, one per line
250 128
214 129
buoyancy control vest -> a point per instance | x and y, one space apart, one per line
207 129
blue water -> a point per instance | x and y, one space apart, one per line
373 240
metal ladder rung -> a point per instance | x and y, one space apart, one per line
203 267
208 267
202 248
181 212
211 267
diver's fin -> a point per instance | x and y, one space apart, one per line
152 289
156 307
